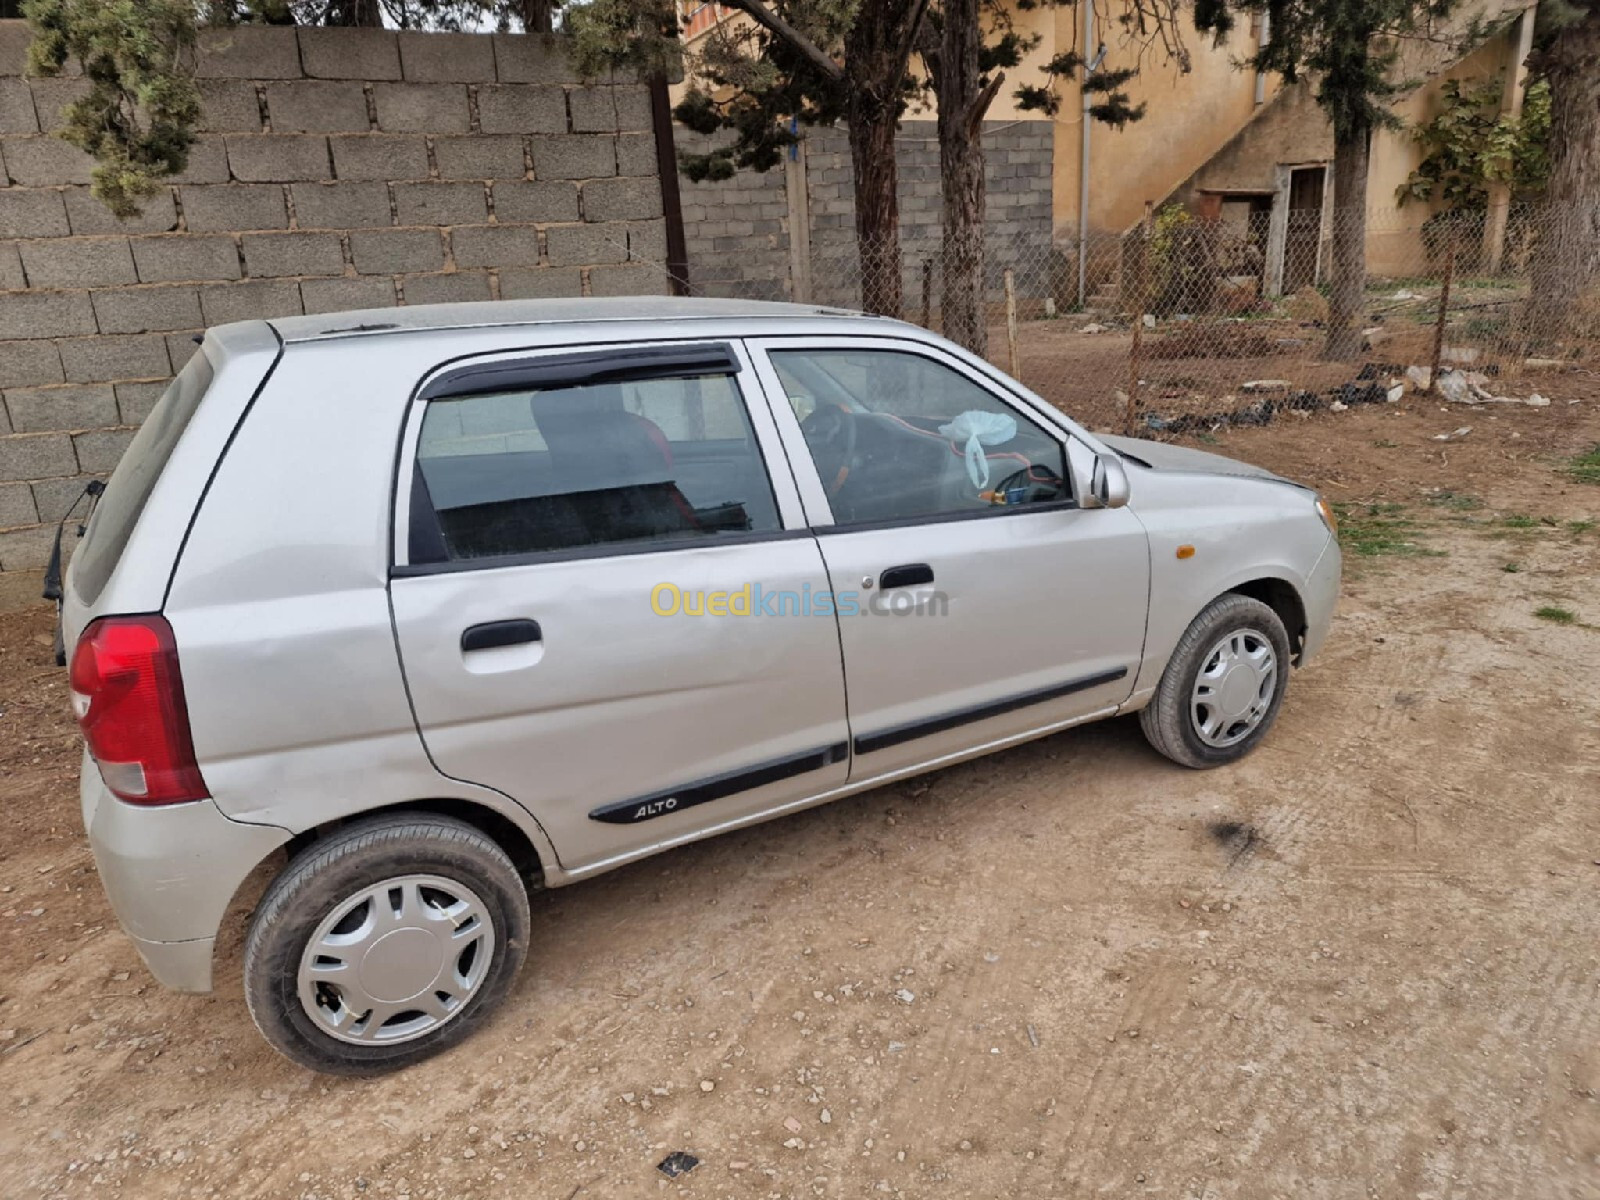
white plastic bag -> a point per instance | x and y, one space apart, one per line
979 429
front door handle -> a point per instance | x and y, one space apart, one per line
494 634
909 575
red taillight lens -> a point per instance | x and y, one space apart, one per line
128 697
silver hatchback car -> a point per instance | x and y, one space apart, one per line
442 603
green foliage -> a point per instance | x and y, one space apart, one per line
1471 144
1585 468
138 118
1551 612
1113 107
1377 530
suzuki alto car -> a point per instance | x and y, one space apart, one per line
433 605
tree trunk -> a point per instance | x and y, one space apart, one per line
872 127
538 16
1352 150
1565 297
365 14
959 87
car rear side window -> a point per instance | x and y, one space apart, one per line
135 477
557 468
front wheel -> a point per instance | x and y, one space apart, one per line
1222 687
385 943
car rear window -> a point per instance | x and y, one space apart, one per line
135 477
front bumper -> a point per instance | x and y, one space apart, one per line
170 873
1320 596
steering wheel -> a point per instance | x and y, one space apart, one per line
830 431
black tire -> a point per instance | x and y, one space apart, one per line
1168 721
322 877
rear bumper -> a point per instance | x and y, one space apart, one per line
1320 597
170 873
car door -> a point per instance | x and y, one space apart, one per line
579 536
978 601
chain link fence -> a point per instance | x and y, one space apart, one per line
1188 323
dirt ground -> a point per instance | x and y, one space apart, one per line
1363 962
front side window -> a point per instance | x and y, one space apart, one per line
897 436
552 468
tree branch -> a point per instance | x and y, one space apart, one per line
980 104
778 27
908 39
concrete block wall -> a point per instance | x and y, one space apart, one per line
336 169
737 230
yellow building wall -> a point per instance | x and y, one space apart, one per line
1188 119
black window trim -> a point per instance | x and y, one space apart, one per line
599 550
587 367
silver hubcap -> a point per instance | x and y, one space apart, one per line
1235 688
396 960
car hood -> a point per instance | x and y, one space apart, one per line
1163 456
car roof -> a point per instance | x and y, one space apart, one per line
571 311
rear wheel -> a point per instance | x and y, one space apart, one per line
385 943
1222 687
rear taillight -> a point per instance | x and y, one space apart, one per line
128 697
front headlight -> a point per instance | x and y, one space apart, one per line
1325 511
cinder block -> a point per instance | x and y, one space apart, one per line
234 207
621 199
341 205
636 154
135 400
519 108
114 356
593 109
23 364
277 158
267 254
52 497
68 406
248 52
446 57
396 251
100 450
341 295
16 107
182 346
520 58
44 161
229 106
207 163
143 309
17 506
175 257
254 299
552 200
453 288
27 549
495 246
573 157
579 245
11 277
633 107
631 280
377 156
45 314
317 106
421 107
647 240
537 283
476 156
349 53
89 216
36 456
439 203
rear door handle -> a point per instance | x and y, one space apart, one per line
908 575
494 634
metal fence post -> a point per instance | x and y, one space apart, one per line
927 292
1011 322
1141 288
1444 311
